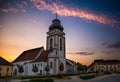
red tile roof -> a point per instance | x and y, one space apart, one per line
107 62
43 57
4 62
28 55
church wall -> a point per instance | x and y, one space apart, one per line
57 66
40 66
51 67
15 67
28 68
63 60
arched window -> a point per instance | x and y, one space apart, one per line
15 72
60 44
51 65
51 43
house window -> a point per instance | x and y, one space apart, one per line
56 52
60 44
0 68
41 64
15 72
51 65
7 69
51 43
40 72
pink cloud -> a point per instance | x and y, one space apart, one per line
14 10
63 10
22 6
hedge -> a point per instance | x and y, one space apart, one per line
87 76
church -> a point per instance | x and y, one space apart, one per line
40 61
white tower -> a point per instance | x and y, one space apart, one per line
56 42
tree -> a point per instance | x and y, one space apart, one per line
20 69
35 68
85 68
47 68
61 67
80 67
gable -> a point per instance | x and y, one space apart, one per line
43 57
4 62
28 55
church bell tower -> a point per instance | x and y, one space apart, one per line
56 37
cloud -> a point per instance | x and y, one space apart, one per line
85 53
14 10
114 45
111 52
105 43
22 6
64 10
82 53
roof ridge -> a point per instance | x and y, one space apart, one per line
28 55
33 49
4 61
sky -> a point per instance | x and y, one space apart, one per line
92 27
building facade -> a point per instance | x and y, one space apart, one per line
105 65
40 59
5 68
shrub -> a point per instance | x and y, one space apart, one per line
107 72
48 80
59 75
87 76
41 80
36 80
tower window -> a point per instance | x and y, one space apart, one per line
51 65
60 44
51 43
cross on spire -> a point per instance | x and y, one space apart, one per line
56 16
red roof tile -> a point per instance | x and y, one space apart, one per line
43 57
4 62
107 62
28 55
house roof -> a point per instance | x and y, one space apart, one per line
70 62
4 62
43 57
107 62
28 55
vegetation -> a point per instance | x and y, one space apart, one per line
107 72
35 68
40 80
20 69
59 76
88 76
47 68
80 67
61 67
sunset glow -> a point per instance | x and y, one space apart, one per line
92 31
